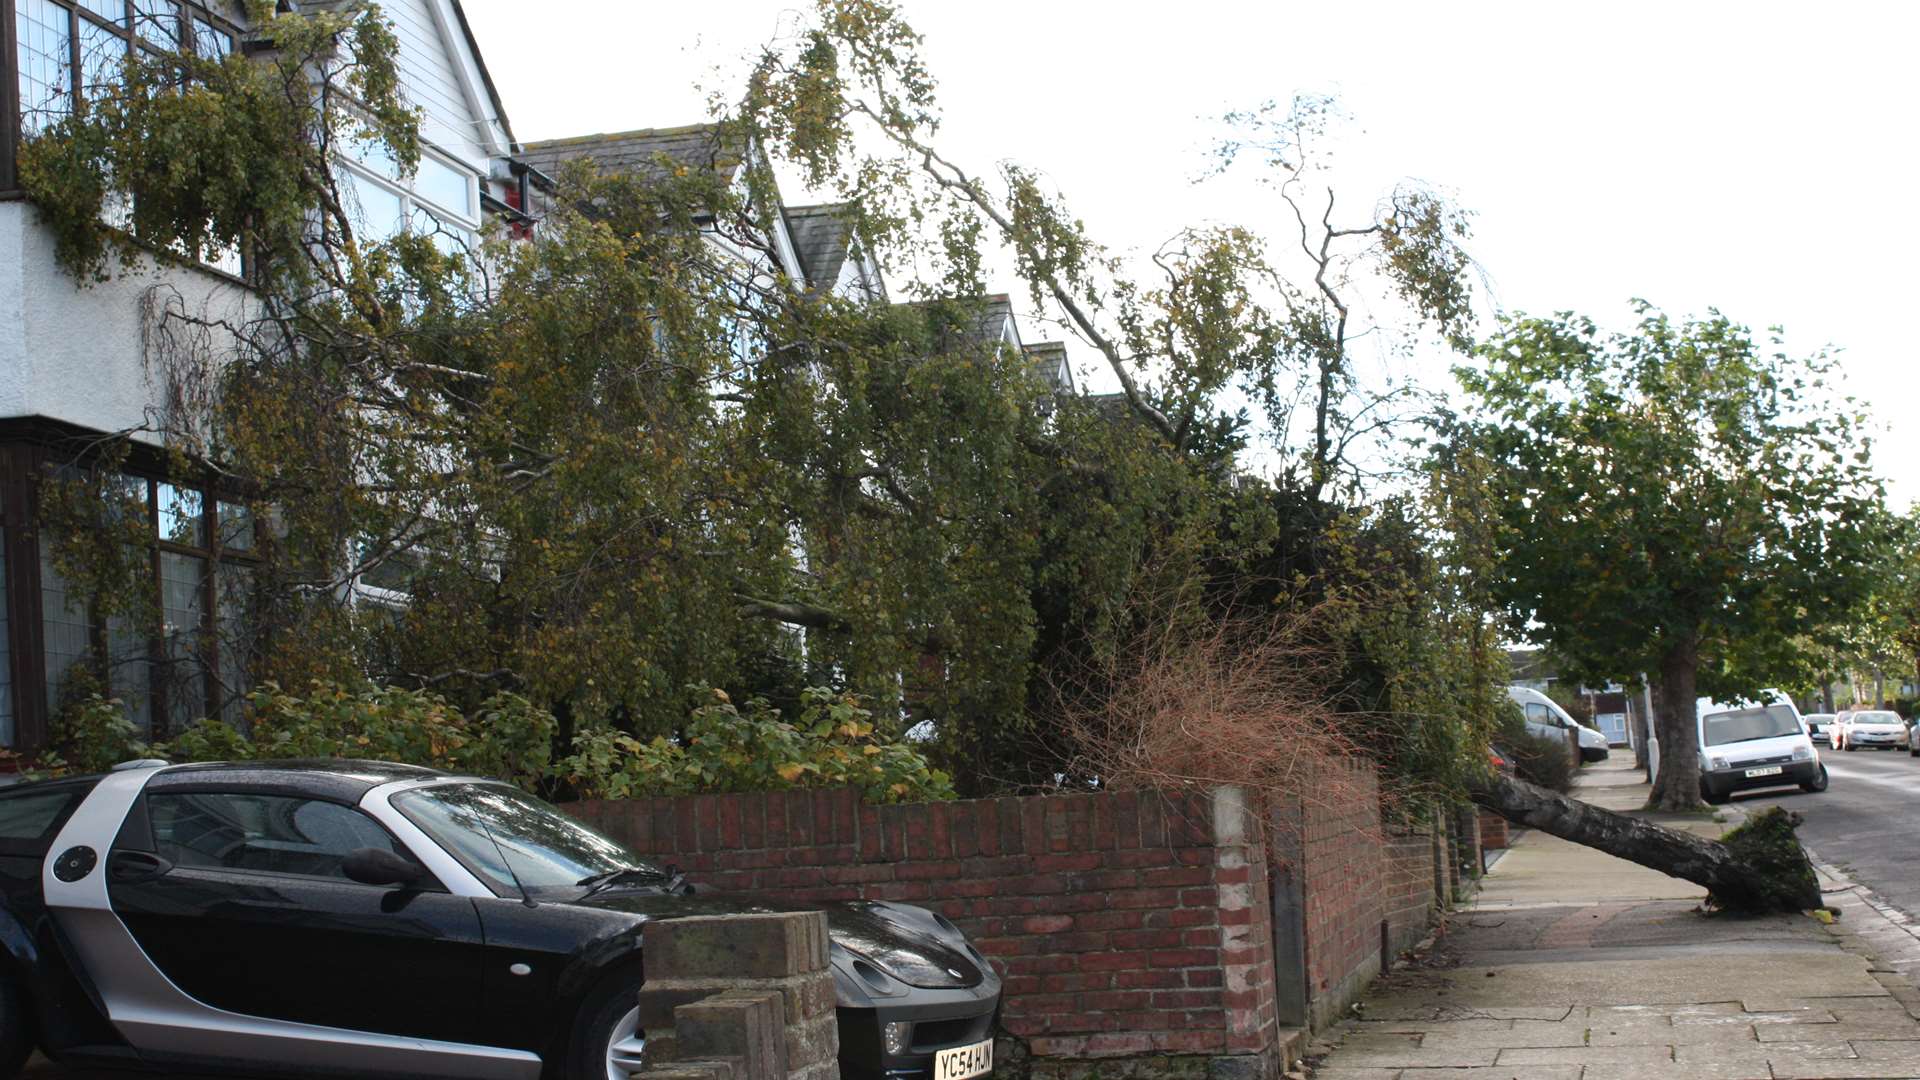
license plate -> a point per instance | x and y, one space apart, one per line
964 1061
1771 770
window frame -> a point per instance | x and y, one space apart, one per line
9 100
13 124
472 219
157 679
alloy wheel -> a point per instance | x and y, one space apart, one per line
626 1046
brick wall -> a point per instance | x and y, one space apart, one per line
1124 924
1412 884
1343 873
1493 831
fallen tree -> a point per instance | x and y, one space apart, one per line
1758 868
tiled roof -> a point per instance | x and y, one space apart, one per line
821 235
638 152
1049 360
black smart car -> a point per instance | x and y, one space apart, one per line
358 918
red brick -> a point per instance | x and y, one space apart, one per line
1047 924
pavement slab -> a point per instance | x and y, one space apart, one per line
1572 963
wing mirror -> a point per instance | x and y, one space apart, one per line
378 866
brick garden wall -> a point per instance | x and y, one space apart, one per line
1413 883
1125 924
1343 874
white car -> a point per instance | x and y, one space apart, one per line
1820 726
1746 744
1875 729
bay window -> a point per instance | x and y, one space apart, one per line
182 653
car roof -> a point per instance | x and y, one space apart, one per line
331 779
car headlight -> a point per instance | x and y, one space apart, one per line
1717 763
1803 753
897 1037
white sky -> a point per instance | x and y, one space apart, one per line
1750 156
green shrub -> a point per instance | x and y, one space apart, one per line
832 743
1545 762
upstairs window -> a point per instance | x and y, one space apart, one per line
439 199
103 33
67 51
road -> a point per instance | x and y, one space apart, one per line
1863 821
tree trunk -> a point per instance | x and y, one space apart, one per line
1826 694
1678 728
1778 879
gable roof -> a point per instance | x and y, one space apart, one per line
1049 362
639 153
821 235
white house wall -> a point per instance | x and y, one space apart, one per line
75 353
457 115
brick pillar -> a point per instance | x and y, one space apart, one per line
1493 830
739 997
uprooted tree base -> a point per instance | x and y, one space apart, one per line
1759 868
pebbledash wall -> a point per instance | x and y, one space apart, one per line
1135 931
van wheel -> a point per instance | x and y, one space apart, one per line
1850 748
1817 784
1712 794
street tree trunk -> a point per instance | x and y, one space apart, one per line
1771 874
1678 727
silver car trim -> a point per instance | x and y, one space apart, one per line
155 1015
378 805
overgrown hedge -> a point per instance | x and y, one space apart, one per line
832 742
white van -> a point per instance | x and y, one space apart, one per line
1549 721
1745 744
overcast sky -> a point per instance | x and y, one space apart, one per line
1756 157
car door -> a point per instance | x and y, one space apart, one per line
240 898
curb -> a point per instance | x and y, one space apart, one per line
1874 930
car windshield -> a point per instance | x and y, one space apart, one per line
1876 718
1745 725
503 834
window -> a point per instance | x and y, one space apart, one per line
107 31
189 660
436 201
69 50
268 834
28 818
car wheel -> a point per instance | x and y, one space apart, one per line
1849 748
16 1030
1712 794
607 1041
1818 783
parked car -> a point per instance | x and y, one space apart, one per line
1746 744
1549 721
1820 727
1875 729
358 918
1593 743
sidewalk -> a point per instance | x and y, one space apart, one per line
1575 965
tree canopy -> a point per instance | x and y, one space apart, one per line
1678 502
628 460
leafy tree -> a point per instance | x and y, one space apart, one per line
1677 501
627 457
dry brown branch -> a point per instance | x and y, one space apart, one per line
1203 702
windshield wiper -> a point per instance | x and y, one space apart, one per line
601 882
